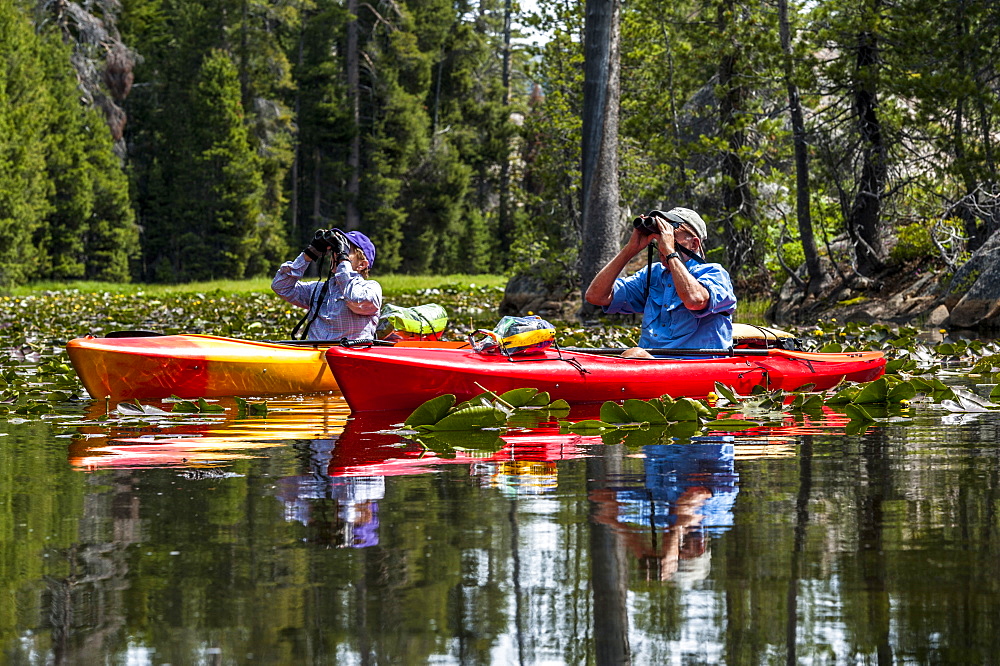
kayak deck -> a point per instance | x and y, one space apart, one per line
378 379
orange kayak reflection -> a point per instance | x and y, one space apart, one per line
365 444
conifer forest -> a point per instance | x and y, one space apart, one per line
181 140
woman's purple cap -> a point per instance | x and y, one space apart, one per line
360 240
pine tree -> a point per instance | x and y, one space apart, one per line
24 186
172 155
90 230
223 191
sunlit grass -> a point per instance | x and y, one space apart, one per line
752 311
749 311
391 284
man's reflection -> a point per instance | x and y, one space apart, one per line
665 515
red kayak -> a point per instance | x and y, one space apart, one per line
387 378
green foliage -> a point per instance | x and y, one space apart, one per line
914 241
242 122
24 189
226 181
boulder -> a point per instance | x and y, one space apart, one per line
544 289
937 317
973 294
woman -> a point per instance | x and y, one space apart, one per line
344 306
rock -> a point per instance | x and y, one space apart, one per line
973 294
545 289
937 317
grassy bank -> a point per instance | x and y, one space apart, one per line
249 307
391 284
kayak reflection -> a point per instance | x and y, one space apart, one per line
344 477
667 514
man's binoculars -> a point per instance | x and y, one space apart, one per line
647 223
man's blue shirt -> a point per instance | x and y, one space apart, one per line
666 322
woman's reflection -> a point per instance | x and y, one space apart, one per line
355 523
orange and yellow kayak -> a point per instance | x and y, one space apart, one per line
203 366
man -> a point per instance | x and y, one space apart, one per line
689 304
347 304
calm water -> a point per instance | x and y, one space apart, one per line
295 540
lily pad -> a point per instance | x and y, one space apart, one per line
731 424
589 427
446 442
858 413
640 410
431 411
520 397
469 418
684 409
612 412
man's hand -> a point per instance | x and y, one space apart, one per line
637 242
666 243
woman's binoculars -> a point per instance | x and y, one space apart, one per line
325 239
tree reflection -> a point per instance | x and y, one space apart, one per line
608 569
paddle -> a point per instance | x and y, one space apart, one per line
787 353
615 351
300 343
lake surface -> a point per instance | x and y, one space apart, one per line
304 538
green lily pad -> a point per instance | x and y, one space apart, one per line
207 408
684 409
470 418
185 407
901 392
446 442
541 399
519 397
589 427
640 410
858 413
648 436
731 424
431 411
726 392
612 412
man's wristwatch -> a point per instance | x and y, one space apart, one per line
672 255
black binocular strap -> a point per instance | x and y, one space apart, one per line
649 272
313 307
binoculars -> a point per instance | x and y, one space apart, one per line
647 223
324 239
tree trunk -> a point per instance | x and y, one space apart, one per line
801 149
863 219
353 216
737 196
798 547
506 227
601 226
293 203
